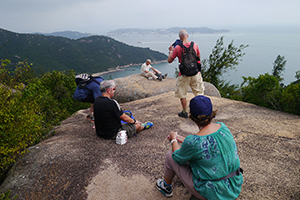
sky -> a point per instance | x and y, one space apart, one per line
102 16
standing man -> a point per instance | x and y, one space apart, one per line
145 69
184 82
108 115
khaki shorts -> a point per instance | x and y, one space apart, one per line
184 82
129 128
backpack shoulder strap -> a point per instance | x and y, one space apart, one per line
192 45
184 48
94 79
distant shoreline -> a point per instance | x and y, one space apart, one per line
123 68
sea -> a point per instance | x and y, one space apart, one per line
264 47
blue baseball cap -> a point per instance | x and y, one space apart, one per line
200 105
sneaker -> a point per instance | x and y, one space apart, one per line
160 78
166 190
182 114
147 125
90 117
164 76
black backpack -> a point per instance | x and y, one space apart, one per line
83 79
189 65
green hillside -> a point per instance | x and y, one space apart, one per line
91 54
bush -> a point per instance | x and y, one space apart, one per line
20 125
28 112
263 91
290 100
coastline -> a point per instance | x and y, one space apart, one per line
123 68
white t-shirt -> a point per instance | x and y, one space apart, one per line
145 68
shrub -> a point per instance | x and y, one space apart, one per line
290 100
263 91
20 125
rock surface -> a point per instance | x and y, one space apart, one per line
136 87
76 164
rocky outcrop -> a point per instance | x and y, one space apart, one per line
136 87
76 164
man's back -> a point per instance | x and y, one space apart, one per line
178 50
107 114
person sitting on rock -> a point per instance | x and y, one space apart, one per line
207 163
108 115
157 75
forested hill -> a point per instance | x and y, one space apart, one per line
90 54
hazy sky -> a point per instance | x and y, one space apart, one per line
101 16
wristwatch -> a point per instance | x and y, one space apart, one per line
134 121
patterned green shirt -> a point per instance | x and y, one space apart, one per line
212 157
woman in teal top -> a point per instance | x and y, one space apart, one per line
207 163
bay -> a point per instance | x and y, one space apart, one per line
264 47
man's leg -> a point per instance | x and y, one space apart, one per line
181 89
197 84
159 76
151 74
183 103
92 109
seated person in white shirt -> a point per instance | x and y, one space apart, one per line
156 74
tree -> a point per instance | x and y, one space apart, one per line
297 76
278 67
263 91
220 61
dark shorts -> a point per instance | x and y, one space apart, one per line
129 128
89 99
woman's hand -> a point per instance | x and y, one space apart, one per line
172 136
180 138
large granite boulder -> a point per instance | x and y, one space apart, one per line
76 164
136 87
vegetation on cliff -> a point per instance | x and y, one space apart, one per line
30 107
90 54
266 90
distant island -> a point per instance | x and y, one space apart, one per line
174 30
69 34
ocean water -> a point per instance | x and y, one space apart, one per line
264 47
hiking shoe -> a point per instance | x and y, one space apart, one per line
164 76
182 114
147 125
90 117
166 190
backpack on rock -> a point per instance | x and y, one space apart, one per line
83 79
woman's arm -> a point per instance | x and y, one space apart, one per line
174 138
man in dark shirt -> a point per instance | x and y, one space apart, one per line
108 115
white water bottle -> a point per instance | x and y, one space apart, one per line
121 137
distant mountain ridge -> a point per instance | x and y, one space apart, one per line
174 30
89 54
68 34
